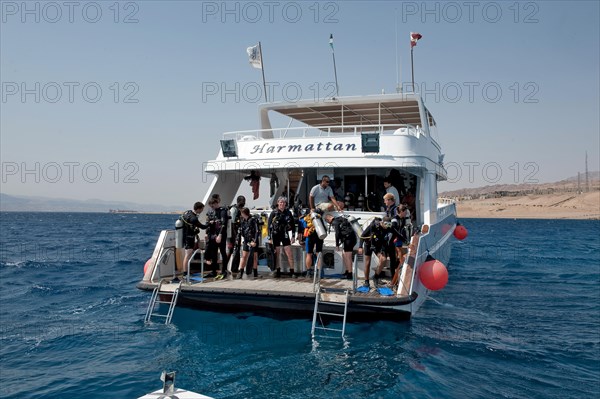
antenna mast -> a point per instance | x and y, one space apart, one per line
398 89
587 178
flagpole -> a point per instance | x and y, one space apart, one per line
412 68
337 88
262 67
397 65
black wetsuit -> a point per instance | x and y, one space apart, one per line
279 224
344 233
251 233
217 226
381 241
191 228
235 239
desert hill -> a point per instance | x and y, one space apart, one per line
565 199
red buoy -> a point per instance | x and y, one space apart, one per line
433 274
147 265
460 232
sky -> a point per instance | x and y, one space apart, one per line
124 101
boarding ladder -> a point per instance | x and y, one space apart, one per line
156 294
330 298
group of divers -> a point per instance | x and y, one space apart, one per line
385 237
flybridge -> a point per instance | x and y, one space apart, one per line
321 146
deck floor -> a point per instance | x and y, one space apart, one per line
301 286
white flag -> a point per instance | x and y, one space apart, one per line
254 56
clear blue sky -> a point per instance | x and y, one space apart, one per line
514 86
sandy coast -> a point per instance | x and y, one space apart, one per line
546 206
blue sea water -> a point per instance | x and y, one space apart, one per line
520 318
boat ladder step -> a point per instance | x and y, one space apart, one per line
331 300
155 299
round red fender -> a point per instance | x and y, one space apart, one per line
460 232
433 274
147 265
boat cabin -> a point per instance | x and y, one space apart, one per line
356 141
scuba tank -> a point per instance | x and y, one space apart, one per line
348 200
264 228
231 215
361 201
179 233
318 224
259 225
355 226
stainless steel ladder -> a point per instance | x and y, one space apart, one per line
330 298
156 299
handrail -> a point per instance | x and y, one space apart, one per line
324 131
354 270
418 256
317 270
187 279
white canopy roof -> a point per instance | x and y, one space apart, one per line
396 109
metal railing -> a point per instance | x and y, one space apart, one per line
323 131
187 279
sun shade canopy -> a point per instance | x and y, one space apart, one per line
352 111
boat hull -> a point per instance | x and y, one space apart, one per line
282 303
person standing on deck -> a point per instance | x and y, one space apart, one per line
235 236
344 234
217 237
379 238
280 222
405 229
390 189
390 206
191 228
250 232
321 196
312 244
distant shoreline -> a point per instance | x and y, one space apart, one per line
585 206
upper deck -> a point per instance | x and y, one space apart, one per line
332 132
347 112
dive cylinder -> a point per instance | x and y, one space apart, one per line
264 227
355 226
318 224
361 201
231 215
179 233
259 225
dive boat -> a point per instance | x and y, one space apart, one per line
357 142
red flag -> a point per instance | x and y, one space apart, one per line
414 37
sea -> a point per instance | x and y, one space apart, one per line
519 318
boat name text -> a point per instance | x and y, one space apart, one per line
320 146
